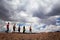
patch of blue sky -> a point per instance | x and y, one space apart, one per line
21 24
41 27
58 18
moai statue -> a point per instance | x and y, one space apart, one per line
30 29
24 29
7 26
14 27
19 28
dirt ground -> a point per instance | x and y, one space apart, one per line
27 36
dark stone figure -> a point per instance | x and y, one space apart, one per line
14 27
24 29
30 29
19 29
7 26
57 31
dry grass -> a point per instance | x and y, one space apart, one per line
20 36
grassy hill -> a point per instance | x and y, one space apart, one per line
27 36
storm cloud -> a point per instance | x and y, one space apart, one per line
12 9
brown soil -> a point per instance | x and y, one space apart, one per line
27 36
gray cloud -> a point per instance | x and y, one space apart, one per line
9 9
3 13
55 10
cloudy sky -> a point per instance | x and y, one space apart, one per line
29 11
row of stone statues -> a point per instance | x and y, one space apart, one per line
14 27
